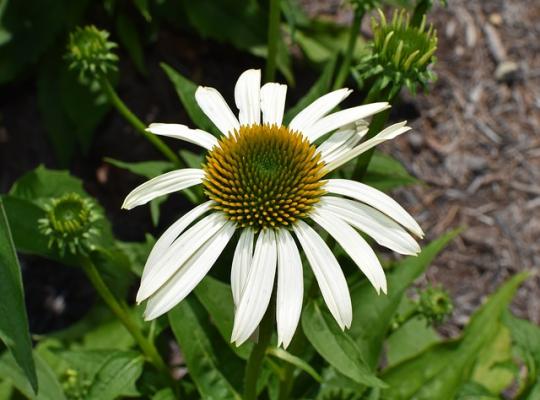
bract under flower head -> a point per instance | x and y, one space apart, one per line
90 52
69 223
400 53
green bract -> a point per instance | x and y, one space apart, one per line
70 223
400 54
435 304
90 52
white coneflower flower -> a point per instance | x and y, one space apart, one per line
268 181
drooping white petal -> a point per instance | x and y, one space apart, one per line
273 103
215 107
182 132
178 253
354 245
389 133
290 287
376 199
170 235
342 141
189 275
327 272
318 109
257 289
163 184
341 118
243 256
384 230
247 97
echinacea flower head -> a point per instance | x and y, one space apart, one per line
69 223
268 182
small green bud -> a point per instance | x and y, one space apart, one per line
89 52
401 53
70 223
365 5
435 304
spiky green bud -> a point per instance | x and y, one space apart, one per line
400 54
89 52
70 223
435 304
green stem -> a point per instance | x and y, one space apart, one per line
421 8
253 367
122 313
273 36
343 72
117 102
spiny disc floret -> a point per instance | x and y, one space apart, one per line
264 176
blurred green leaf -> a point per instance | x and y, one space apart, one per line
336 346
14 331
373 313
386 173
205 367
142 6
130 39
138 252
475 391
410 339
319 88
186 92
216 297
111 373
148 169
294 360
428 375
49 387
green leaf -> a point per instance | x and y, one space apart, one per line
428 375
216 297
336 346
205 367
49 387
293 360
129 37
386 173
410 339
137 253
14 331
148 169
373 313
319 88
110 373
142 6
186 92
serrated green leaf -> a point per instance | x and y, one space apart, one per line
336 346
14 330
186 92
205 367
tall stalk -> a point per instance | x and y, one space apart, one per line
273 39
343 72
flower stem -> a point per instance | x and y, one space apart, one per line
122 314
253 367
353 37
139 126
273 36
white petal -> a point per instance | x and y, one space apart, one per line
247 97
273 103
258 288
318 109
342 141
178 253
355 246
163 184
215 107
327 272
290 288
342 118
389 133
384 230
170 235
182 132
243 256
189 276
376 199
